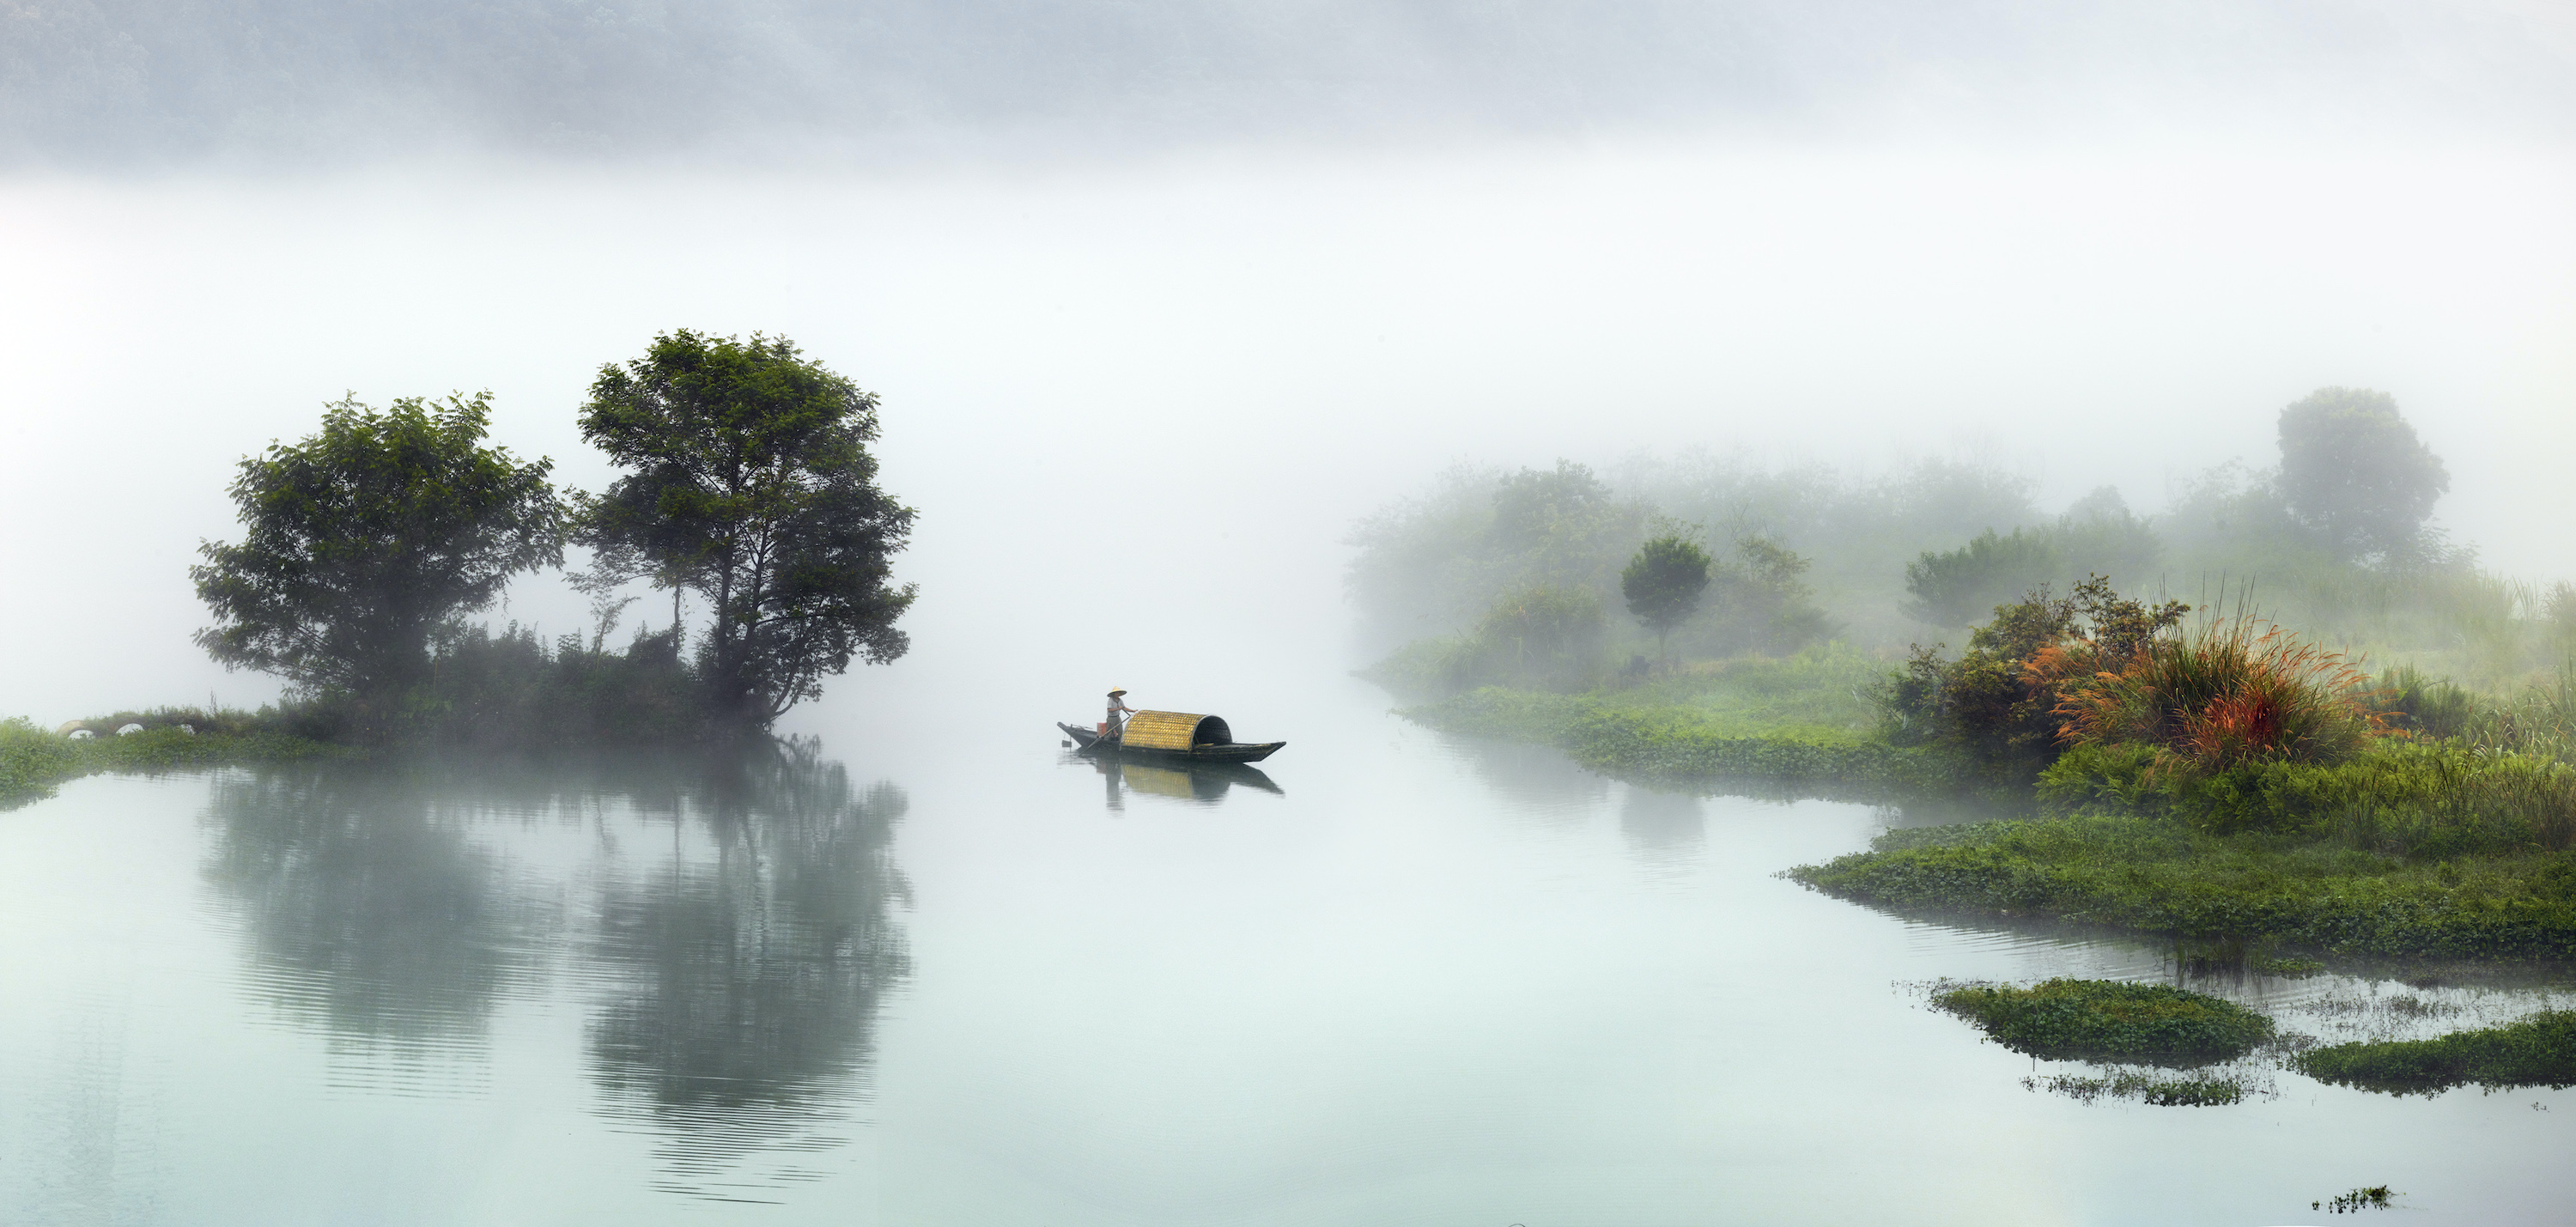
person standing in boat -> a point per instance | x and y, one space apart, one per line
1110 727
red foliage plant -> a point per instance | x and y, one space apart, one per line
2235 690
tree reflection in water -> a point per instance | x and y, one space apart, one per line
370 913
731 961
749 977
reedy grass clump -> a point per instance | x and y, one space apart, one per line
2234 691
2108 1019
2538 1051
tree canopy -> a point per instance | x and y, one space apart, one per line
2353 472
365 537
1664 583
750 482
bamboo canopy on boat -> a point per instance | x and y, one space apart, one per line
1175 731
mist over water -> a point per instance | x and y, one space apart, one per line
1161 300
1171 386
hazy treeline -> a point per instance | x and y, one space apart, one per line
2336 539
102 81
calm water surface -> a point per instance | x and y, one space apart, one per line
1398 978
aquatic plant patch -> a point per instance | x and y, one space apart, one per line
2157 1090
2059 1019
2376 1197
2538 1051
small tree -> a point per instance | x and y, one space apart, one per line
750 482
1664 583
2354 473
367 536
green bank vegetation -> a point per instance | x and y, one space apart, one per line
34 761
2212 774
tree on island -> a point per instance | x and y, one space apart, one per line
2353 472
1663 584
749 482
366 538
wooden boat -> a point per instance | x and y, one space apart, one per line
1173 735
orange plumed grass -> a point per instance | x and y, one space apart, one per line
2235 690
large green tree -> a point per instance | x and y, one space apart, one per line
364 538
1664 583
2354 473
749 481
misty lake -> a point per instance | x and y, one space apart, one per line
1399 978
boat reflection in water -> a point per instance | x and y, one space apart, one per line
1201 783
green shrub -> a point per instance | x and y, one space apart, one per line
2538 1051
2108 1019
32 761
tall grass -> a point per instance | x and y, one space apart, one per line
2234 690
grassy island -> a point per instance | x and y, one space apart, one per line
2538 1051
2108 1020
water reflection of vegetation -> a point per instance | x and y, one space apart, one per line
368 909
748 982
1662 822
737 976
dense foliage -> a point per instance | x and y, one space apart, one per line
1664 583
362 540
749 481
2538 1051
2001 700
2108 1020
1953 588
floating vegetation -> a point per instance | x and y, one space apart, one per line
2538 1051
2153 1089
2284 968
2376 1197
2063 1018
